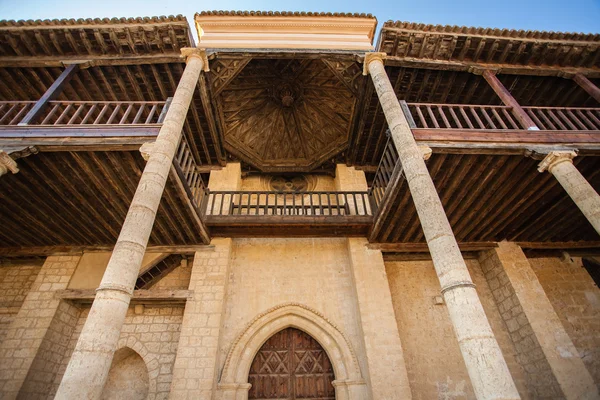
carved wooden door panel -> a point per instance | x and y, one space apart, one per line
291 365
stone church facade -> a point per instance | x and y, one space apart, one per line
297 206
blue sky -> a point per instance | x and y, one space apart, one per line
553 15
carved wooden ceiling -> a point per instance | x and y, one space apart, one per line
286 114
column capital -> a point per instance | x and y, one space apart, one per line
555 157
7 163
370 57
189 52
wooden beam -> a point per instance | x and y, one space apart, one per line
154 296
588 86
51 94
558 245
422 247
509 100
90 60
62 250
500 136
510 69
33 131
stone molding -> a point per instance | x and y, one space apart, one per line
146 150
370 57
554 158
285 32
234 378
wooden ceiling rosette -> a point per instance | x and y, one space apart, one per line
286 114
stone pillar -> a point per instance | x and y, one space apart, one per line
29 344
89 365
385 358
553 366
487 369
194 373
560 164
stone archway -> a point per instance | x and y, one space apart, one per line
349 383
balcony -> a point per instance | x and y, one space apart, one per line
81 118
269 213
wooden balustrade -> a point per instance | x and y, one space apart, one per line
188 171
68 113
265 203
565 118
387 165
12 112
484 117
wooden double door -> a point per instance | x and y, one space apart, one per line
291 365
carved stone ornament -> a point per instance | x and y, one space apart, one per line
7 163
288 184
555 157
370 57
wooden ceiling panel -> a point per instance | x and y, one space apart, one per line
493 198
81 198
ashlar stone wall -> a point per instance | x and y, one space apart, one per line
436 369
576 300
15 281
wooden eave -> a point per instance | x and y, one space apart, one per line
87 39
510 51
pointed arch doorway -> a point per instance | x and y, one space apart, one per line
291 365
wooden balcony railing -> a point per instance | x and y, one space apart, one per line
565 118
483 117
264 203
388 166
73 113
12 112
188 173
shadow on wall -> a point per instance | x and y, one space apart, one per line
127 378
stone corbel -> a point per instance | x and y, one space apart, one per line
146 150
554 158
370 57
426 150
8 155
7 163
188 52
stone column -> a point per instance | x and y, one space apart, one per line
560 164
387 375
34 344
487 369
552 364
89 365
